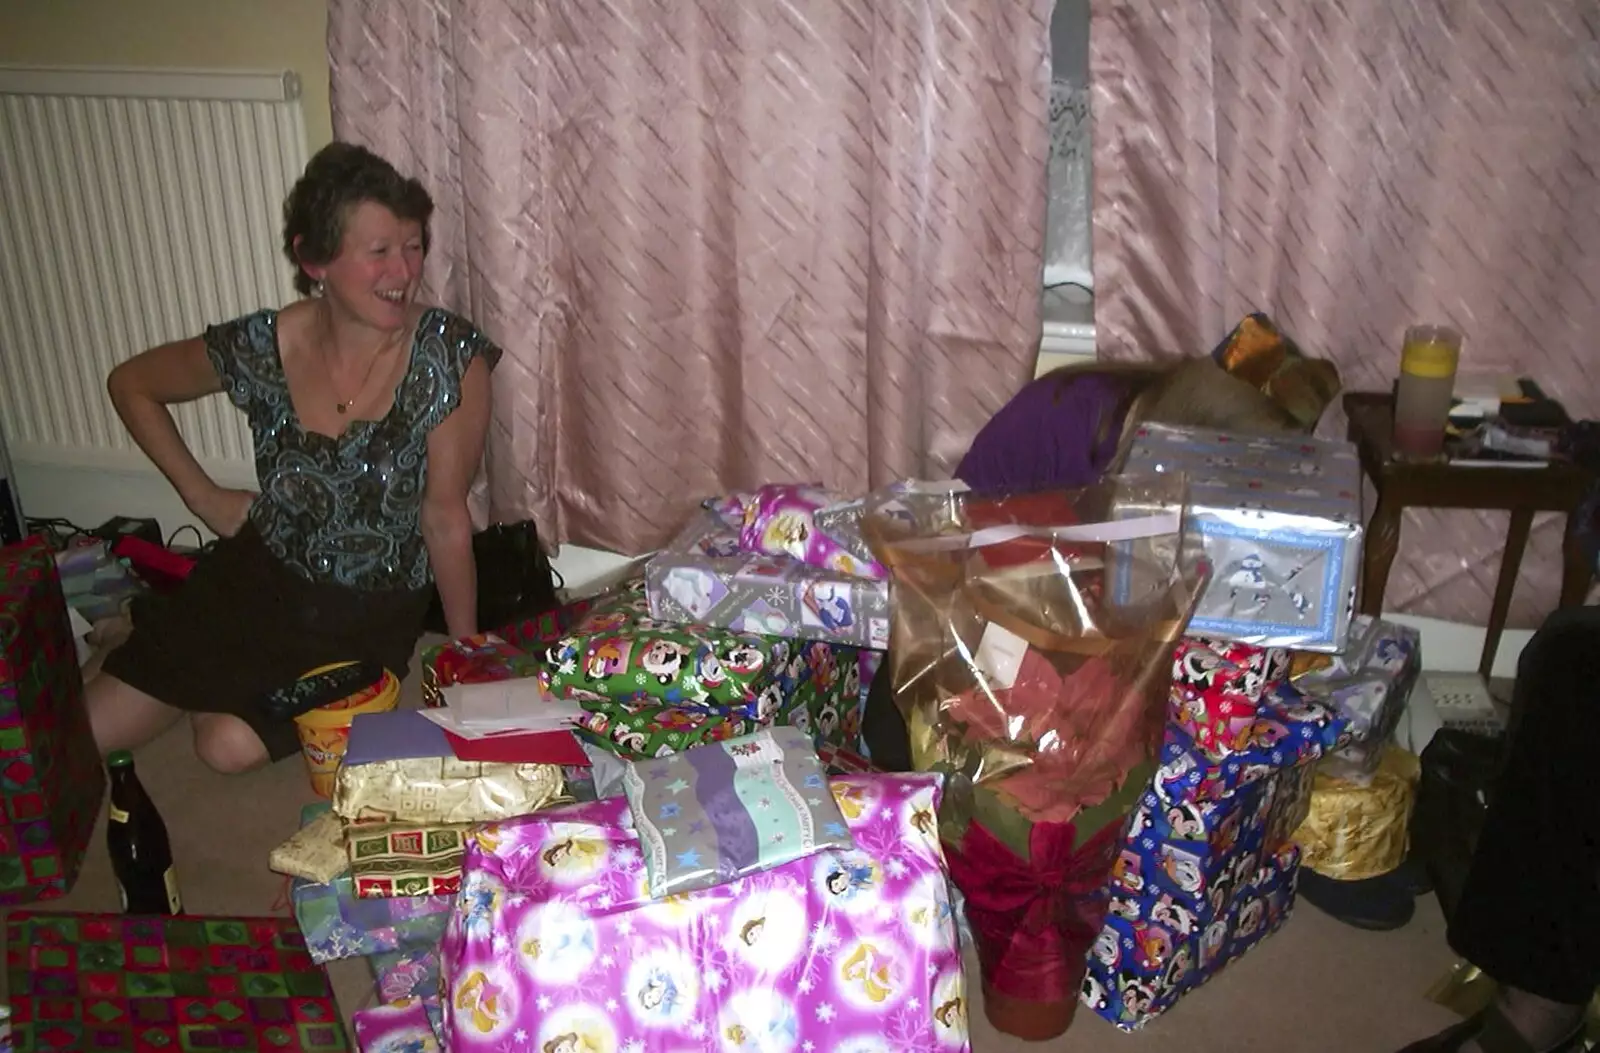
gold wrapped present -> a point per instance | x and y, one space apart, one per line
316 852
441 790
1306 663
1357 832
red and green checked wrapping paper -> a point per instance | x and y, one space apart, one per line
98 983
51 781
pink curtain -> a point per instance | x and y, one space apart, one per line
723 242
1352 167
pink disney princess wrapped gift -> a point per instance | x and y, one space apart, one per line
395 1027
557 947
780 520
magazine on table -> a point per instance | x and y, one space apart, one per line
1494 444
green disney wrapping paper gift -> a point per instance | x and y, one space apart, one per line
650 688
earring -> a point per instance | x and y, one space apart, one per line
318 288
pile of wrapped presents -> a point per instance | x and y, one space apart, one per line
648 821
1277 750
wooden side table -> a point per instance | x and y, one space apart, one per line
1560 487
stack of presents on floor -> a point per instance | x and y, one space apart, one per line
648 820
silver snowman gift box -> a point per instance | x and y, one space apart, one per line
1279 519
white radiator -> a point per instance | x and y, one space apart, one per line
136 207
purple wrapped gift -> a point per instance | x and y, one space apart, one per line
705 576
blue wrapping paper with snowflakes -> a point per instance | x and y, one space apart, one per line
1145 961
557 946
1289 729
1194 851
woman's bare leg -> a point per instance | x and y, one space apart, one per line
125 718
227 744
122 716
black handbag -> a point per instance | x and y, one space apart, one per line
515 578
1459 769
883 726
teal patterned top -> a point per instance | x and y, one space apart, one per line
346 510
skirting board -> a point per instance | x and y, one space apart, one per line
90 496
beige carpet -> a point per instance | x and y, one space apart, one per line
1315 987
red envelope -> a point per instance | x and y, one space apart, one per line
523 747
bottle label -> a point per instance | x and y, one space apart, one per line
174 900
118 815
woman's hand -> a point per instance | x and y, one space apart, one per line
223 510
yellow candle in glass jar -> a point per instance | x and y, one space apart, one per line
1430 354
1428 361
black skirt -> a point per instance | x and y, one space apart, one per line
244 624
1529 914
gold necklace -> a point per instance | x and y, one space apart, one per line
343 405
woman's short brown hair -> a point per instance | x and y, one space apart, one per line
339 177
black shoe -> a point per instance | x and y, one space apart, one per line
1413 874
1458 775
1495 1034
1376 904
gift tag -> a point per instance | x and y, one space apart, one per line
755 752
1000 654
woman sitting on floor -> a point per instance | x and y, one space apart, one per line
369 413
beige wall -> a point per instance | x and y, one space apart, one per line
189 34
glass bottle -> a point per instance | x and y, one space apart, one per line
136 837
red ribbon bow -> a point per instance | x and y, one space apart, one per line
1035 919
